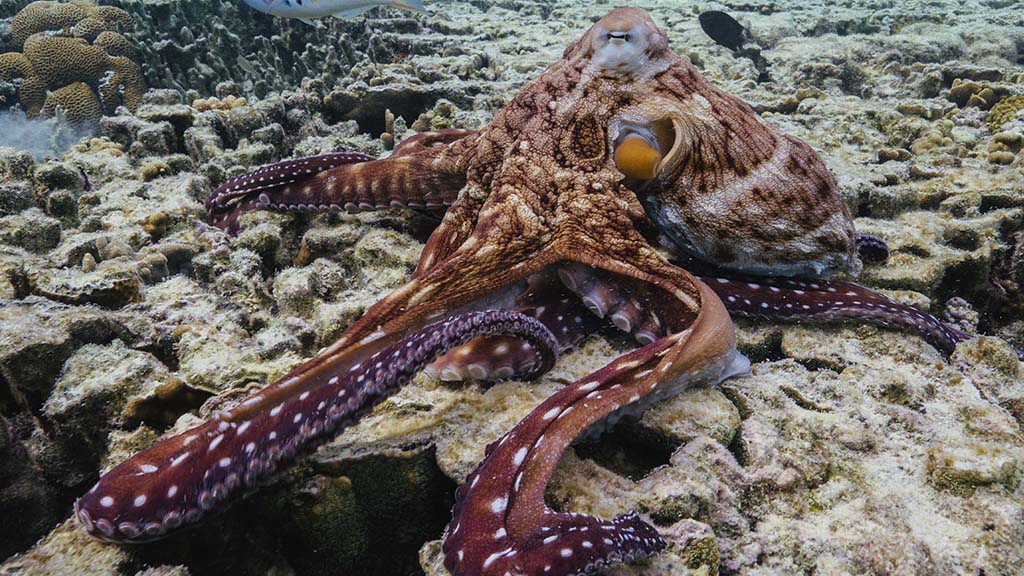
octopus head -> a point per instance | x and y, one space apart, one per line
733 192
624 44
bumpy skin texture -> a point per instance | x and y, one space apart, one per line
536 198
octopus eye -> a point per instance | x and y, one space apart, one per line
642 151
637 157
618 37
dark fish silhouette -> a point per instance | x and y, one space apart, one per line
724 29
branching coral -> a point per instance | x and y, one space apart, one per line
69 48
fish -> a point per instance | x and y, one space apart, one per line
306 10
724 29
729 33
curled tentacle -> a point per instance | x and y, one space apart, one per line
500 523
872 249
183 478
499 357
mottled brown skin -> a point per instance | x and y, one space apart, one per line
538 192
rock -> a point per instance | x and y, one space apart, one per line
113 284
106 388
15 196
964 469
23 494
31 230
696 412
16 164
36 337
994 368
69 550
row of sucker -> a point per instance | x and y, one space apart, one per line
604 299
545 298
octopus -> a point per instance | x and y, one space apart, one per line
584 204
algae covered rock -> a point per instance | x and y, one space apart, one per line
111 285
36 337
69 550
31 229
104 388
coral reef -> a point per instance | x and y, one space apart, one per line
72 61
849 450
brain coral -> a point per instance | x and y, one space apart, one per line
32 95
124 86
115 44
81 19
89 28
40 16
76 101
60 61
1004 111
69 49
14 65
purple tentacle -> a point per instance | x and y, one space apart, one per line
182 479
251 191
500 522
544 298
804 300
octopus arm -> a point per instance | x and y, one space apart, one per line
500 522
181 479
422 173
543 297
812 300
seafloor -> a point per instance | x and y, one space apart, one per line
848 451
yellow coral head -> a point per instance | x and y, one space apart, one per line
637 158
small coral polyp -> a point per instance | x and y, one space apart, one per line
74 60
